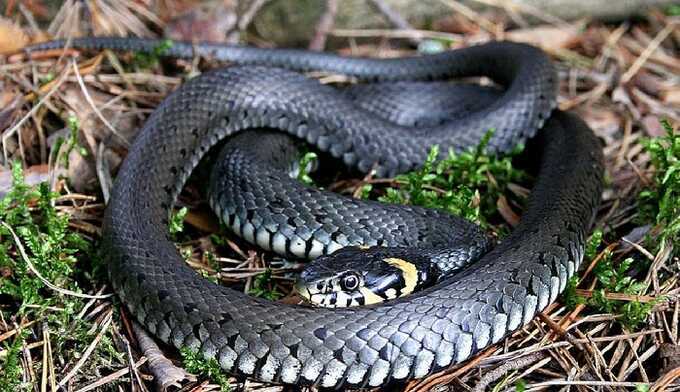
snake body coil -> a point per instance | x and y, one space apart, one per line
367 346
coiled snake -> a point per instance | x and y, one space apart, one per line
407 338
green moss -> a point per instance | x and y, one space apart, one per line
209 368
52 249
305 165
466 184
148 60
660 203
51 246
263 287
10 376
176 224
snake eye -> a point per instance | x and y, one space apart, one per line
350 282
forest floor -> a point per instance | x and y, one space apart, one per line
67 117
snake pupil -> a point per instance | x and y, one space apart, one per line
350 282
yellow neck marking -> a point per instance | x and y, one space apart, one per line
370 297
410 273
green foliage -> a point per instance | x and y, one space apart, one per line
10 375
73 125
212 261
52 249
148 60
176 224
504 382
365 191
305 166
520 385
642 388
209 368
262 287
593 244
673 10
571 299
467 184
615 279
51 246
661 203
611 278
50 76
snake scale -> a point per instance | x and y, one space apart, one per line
367 346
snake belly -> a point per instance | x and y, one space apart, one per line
353 347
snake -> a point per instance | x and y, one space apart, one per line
366 346
247 175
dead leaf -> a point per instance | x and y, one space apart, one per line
545 36
648 83
291 299
506 211
671 95
591 41
81 173
604 121
202 219
35 7
209 23
652 126
89 121
5 272
12 37
456 23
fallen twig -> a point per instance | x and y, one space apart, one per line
324 26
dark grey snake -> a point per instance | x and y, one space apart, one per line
365 346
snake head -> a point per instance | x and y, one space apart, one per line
363 276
